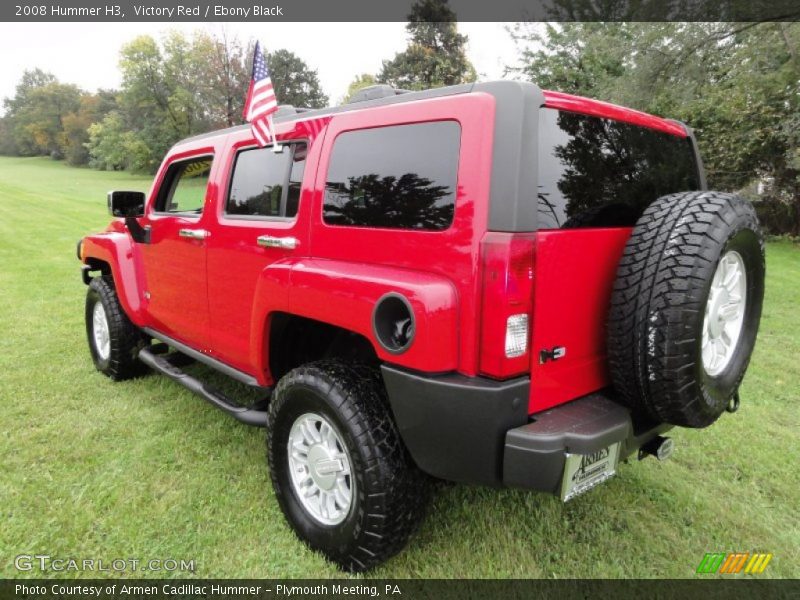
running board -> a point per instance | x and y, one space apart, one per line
162 364
206 359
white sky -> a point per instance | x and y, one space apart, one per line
86 54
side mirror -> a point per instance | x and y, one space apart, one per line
126 204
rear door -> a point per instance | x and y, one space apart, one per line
262 222
406 186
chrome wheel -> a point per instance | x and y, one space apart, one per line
102 337
724 314
319 464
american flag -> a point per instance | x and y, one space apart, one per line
261 101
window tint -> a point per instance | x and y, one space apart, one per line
597 172
266 183
184 187
401 177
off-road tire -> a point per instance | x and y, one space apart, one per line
659 298
125 338
390 492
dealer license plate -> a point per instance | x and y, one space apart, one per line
584 471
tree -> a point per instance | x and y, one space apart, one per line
579 58
7 146
31 80
293 81
93 108
48 117
113 147
35 114
359 83
176 88
435 55
227 77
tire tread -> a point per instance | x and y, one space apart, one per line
398 491
659 291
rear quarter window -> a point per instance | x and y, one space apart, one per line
597 172
401 177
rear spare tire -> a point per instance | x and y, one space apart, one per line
686 306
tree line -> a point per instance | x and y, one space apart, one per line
171 88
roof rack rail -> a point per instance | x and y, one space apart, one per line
285 109
289 109
374 92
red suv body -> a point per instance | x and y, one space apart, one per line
219 293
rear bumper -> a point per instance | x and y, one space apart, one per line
476 430
535 454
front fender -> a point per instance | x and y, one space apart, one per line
116 249
344 294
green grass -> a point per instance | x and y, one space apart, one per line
144 469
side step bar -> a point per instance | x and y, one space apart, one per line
205 358
162 364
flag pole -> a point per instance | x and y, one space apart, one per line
276 146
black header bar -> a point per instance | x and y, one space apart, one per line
395 589
393 10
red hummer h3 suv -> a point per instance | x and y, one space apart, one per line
487 283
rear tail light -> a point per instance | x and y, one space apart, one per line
506 304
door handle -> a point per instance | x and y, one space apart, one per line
193 234
287 243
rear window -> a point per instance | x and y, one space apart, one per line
402 177
597 172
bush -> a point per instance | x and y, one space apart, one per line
777 216
113 148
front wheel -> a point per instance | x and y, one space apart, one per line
114 342
342 476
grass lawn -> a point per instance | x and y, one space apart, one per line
144 469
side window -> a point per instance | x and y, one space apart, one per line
267 184
184 187
402 177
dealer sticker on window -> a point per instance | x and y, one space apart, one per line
584 471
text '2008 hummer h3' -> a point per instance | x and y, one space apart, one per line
488 283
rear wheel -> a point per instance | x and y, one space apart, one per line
342 476
114 342
686 307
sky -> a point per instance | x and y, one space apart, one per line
86 54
